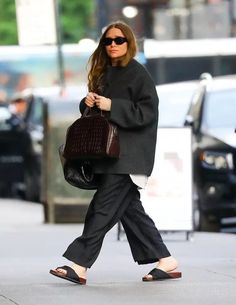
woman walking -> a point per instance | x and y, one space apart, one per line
123 89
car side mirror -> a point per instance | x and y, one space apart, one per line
189 121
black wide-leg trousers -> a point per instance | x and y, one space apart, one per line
117 199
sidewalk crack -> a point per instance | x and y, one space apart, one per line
8 299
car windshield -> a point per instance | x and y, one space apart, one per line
174 104
5 115
220 109
36 112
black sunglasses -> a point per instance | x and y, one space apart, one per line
118 40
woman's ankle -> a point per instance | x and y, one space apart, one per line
80 270
167 263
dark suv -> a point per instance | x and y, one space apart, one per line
15 154
21 140
212 115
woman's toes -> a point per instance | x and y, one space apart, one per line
60 270
148 276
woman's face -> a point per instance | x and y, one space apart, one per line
115 51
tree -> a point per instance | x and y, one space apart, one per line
8 27
76 18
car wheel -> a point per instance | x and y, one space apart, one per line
208 224
201 221
196 218
31 187
196 210
5 190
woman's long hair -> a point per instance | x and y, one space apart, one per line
99 60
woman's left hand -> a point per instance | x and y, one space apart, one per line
103 102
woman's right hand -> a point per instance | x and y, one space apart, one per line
90 99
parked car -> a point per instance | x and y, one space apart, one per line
15 151
212 116
21 138
174 102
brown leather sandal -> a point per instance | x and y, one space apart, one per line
70 275
159 275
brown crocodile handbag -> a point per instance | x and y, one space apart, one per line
92 136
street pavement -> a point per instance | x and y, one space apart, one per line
29 248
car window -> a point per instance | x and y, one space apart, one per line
196 107
35 116
220 109
173 105
4 117
4 113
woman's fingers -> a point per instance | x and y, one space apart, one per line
103 103
90 99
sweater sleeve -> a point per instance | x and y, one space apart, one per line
141 109
82 106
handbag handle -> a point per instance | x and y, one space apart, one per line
89 110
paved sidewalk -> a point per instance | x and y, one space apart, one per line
29 248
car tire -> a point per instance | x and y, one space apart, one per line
31 187
196 217
202 221
207 224
196 210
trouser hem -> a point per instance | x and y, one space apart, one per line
75 261
150 260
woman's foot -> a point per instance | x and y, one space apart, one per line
75 273
166 264
79 270
69 274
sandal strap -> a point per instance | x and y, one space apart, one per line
63 267
159 274
70 272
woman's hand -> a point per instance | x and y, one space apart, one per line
103 102
90 99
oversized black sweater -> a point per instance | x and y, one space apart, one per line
134 110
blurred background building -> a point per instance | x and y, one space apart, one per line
186 35
172 19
